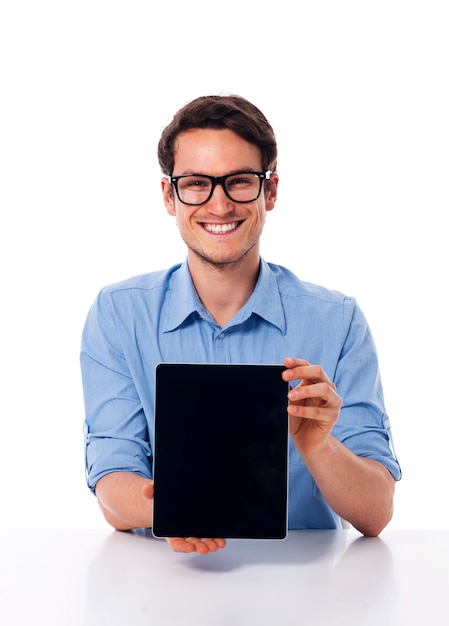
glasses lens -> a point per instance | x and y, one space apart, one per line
194 189
243 187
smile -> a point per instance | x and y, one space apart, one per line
219 229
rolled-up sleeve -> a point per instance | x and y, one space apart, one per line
364 426
115 428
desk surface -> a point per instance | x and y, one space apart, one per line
96 577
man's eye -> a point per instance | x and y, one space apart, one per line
240 181
198 183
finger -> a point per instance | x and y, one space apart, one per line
323 391
303 370
194 544
324 415
290 362
214 544
148 490
199 545
204 545
180 544
308 375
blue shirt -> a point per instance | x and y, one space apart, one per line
158 317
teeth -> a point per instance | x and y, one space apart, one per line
220 228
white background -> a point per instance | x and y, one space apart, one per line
357 93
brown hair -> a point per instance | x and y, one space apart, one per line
220 112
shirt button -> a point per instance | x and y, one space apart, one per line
221 336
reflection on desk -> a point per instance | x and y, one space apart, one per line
96 577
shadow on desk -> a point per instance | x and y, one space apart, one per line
312 577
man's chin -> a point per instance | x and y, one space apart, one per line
220 261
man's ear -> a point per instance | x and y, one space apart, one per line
272 191
168 196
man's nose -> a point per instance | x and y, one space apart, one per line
219 202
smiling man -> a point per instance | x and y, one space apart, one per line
225 304
218 195
220 214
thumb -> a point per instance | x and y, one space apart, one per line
148 490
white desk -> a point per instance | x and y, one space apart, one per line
102 577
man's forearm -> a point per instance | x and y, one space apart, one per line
358 489
125 500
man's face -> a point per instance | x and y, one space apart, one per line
220 232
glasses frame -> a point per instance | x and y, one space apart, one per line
220 180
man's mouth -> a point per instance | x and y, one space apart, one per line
219 229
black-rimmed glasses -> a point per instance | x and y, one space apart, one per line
196 189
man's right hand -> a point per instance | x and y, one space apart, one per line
193 544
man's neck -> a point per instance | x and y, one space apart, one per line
224 289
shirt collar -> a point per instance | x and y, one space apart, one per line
265 300
182 299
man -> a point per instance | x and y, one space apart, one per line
226 304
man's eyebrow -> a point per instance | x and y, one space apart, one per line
240 170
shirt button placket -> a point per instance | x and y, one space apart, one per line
221 347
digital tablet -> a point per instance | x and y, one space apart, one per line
220 463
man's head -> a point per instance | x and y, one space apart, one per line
220 112
218 156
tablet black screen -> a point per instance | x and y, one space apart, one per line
221 451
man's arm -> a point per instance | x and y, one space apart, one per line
358 489
126 500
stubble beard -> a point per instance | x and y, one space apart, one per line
216 264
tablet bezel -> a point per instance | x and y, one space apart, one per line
220 458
